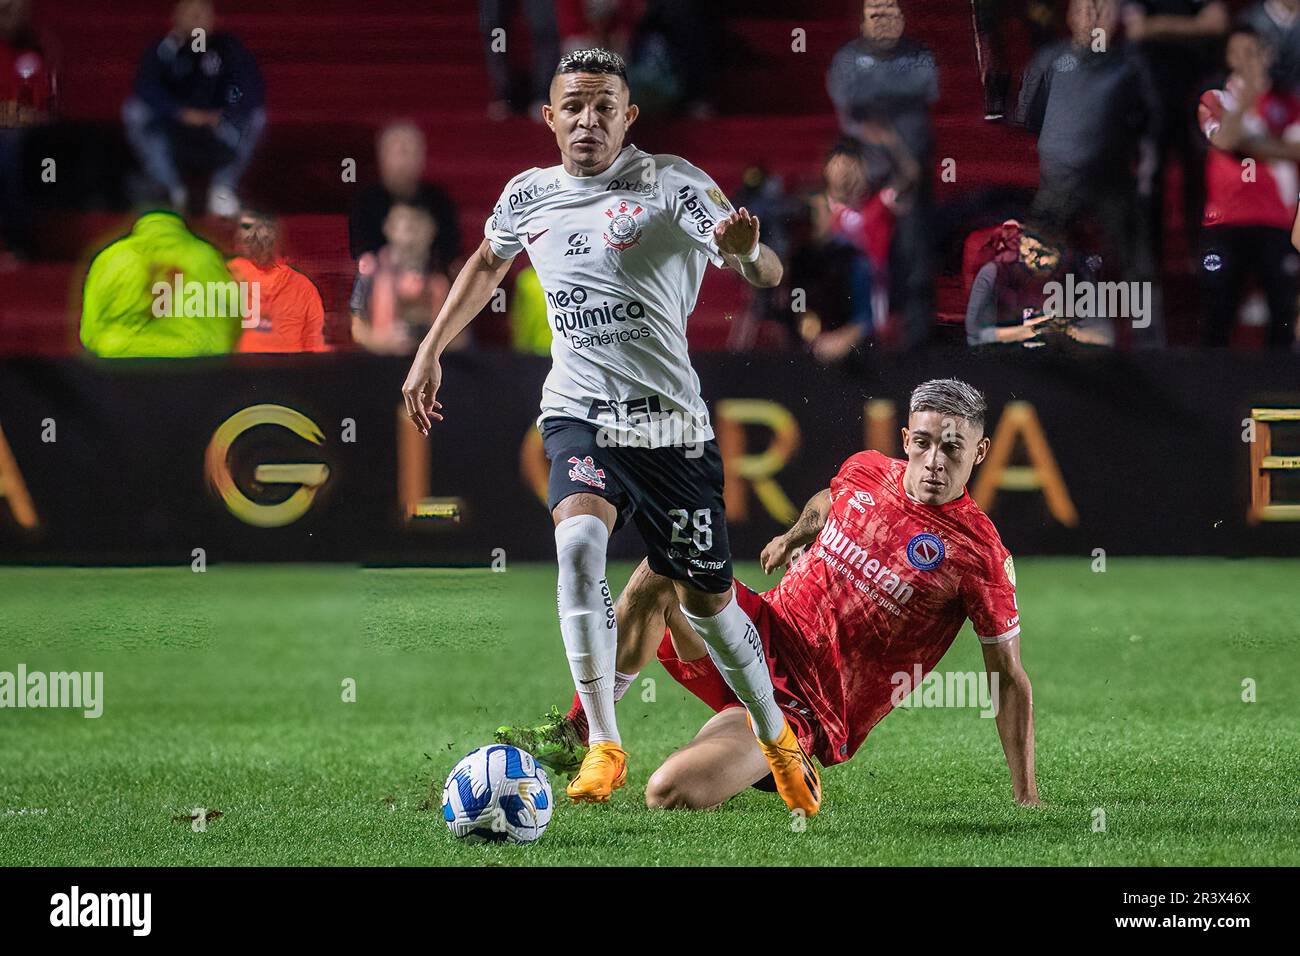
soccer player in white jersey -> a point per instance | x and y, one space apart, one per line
620 239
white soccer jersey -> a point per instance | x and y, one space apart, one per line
620 257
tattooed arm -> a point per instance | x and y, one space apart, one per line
780 550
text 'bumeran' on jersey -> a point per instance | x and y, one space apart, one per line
621 257
883 590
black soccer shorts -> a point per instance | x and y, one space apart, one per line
673 494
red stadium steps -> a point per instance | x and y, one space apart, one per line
42 303
37 313
335 72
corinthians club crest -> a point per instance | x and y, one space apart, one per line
623 229
585 470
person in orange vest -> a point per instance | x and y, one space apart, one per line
289 314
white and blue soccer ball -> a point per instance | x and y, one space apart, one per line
497 793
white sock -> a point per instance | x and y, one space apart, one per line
737 652
587 620
621 683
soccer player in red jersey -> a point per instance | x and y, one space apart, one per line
1249 219
896 556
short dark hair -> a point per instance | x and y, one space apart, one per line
594 60
1247 29
847 146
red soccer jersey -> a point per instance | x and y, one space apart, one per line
885 587
869 227
1268 198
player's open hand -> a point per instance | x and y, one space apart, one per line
420 391
737 234
777 554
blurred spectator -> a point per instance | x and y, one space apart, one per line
1176 37
290 316
606 24
1277 22
763 194
1093 103
27 88
1011 297
1250 204
494 16
823 271
160 291
862 209
889 80
401 154
530 325
198 101
886 77
673 59
396 298
1043 19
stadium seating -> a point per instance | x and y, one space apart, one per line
334 70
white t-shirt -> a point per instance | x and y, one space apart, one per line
620 257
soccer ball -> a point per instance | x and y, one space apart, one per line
497 793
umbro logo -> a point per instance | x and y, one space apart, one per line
534 236
860 500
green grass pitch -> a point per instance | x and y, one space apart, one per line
224 690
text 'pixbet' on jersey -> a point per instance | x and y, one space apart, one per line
620 255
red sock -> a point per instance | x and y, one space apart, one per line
578 717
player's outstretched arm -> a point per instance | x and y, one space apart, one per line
737 237
468 297
780 550
1015 716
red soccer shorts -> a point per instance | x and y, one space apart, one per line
701 677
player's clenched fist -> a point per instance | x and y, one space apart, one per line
737 234
421 386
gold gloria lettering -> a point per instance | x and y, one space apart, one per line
1264 464
1019 421
13 489
308 476
756 470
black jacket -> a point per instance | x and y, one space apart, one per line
172 77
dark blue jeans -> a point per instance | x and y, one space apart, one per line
155 140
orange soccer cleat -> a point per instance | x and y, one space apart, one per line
797 780
603 771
